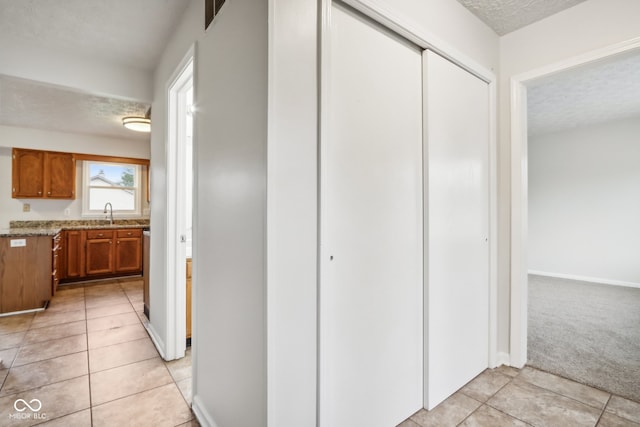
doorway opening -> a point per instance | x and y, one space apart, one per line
179 209
520 243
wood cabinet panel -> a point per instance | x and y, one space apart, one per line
99 234
99 254
27 173
43 174
25 273
129 232
128 254
102 252
60 175
75 254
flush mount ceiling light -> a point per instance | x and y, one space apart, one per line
138 123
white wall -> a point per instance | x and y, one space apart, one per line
230 94
590 25
584 209
230 228
60 68
10 137
292 181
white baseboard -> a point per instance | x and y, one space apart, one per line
586 279
157 341
502 358
202 415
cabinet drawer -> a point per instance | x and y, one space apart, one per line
129 232
100 234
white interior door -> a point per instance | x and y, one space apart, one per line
371 289
457 182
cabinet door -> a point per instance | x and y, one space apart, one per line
60 175
27 173
74 254
128 254
100 255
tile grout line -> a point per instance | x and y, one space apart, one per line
61 416
569 397
164 364
486 403
550 391
86 326
41 386
603 410
131 296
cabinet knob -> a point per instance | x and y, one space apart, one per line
39 193
110 242
49 193
118 241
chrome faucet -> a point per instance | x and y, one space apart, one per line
110 212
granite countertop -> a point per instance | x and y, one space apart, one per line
28 232
79 224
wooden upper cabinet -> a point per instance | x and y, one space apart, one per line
43 174
60 175
27 173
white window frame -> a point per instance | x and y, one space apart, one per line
137 187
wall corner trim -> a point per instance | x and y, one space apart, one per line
157 341
502 358
204 418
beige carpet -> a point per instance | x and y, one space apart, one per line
586 332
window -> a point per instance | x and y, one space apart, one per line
115 183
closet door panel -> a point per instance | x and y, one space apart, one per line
457 201
371 291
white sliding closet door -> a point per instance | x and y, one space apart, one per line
457 298
371 289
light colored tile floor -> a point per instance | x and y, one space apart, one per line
528 397
90 362
88 359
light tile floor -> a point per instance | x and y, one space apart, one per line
506 396
90 362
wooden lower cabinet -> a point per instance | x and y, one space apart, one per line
99 252
102 253
128 250
25 272
75 254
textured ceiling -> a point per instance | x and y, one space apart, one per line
595 93
29 104
122 32
130 32
505 16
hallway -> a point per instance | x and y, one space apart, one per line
89 361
